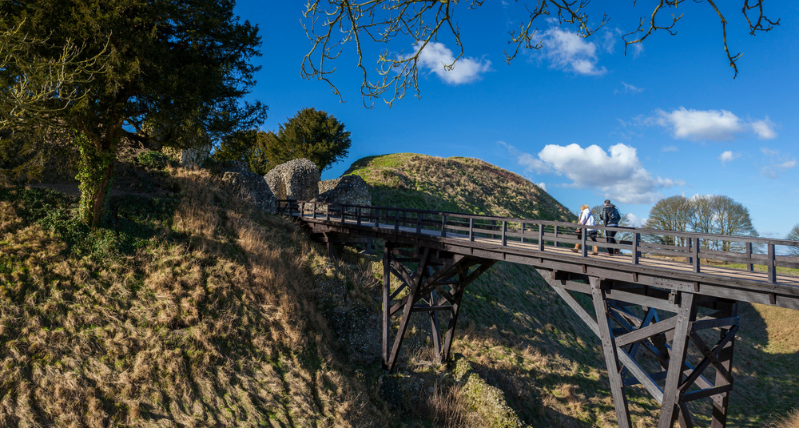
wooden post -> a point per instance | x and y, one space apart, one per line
504 231
314 210
471 229
636 237
327 212
343 213
679 349
358 216
695 253
721 404
377 218
772 267
434 327
523 224
396 221
557 234
386 301
418 222
540 237
609 348
443 225
749 266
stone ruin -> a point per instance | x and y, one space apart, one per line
296 179
350 189
248 185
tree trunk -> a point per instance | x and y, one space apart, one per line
96 173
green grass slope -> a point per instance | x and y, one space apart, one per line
455 184
193 309
523 339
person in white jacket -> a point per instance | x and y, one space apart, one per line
586 218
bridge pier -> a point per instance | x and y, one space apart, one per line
431 281
674 327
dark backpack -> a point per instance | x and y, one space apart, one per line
614 217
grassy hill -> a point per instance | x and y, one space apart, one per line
192 309
455 184
521 338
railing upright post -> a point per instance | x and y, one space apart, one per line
540 237
302 210
343 214
583 237
327 211
504 231
314 210
396 221
377 218
772 266
358 216
636 238
443 225
695 253
749 266
557 234
471 229
523 224
418 222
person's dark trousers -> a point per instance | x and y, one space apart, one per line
610 239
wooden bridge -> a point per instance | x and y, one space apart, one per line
665 292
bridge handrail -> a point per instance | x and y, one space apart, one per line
681 234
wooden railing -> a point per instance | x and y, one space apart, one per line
543 233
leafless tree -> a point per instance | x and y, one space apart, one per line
330 25
672 213
793 235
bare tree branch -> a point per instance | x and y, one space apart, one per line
331 24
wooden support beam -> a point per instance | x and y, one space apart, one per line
721 403
386 301
679 348
433 315
412 296
611 358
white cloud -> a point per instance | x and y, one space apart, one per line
542 185
638 48
567 51
435 56
628 89
777 163
728 156
716 125
670 149
764 129
617 175
634 220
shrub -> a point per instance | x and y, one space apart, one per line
152 159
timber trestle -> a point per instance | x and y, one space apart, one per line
666 318
634 322
431 281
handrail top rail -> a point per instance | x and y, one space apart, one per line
738 238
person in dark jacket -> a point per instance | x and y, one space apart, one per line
610 217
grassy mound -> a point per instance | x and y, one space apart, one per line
193 310
455 184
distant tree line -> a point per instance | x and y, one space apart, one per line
710 214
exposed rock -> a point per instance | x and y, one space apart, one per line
194 157
350 189
296 179
251 187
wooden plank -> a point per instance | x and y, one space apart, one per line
712 323
679 349
646 332
611 359
386 301
639 373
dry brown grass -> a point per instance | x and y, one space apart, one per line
791 421
216 325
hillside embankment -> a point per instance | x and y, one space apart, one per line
194 308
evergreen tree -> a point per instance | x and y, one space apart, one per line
172 71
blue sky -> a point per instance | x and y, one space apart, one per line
578 116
